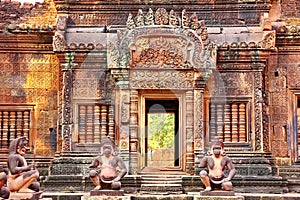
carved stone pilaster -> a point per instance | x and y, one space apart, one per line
133 148
123 119
189 140
258 110
111 122
67 121
198 120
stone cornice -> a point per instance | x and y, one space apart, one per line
287 36
30 28
244 56
26 42
115 13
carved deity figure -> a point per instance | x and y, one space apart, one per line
21 176
216 163
108 167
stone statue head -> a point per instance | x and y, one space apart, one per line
218 148
108 147
19 146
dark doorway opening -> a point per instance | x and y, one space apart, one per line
162 135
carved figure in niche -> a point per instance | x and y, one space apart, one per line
139 20
216 162
130 22
149 18
22 177
4 192
202 31
105 173
161 17
173 21
185 19
194 21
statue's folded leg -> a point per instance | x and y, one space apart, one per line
205 180
116 185
94 176
227 185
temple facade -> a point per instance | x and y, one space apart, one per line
75 72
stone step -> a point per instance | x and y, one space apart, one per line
161 189
161 182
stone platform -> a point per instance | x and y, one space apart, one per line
188 196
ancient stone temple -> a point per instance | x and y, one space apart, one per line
74 72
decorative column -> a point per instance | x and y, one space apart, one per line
258 110
103 121
123 114
198 123
133 148
66 110
111 123
189 144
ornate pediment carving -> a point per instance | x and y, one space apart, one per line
161 52
162 40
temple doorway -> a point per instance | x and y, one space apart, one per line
162 141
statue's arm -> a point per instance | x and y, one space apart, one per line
95 163
231 168
203 162
13 162
122 167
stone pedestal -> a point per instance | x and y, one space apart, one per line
25 196
107 193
